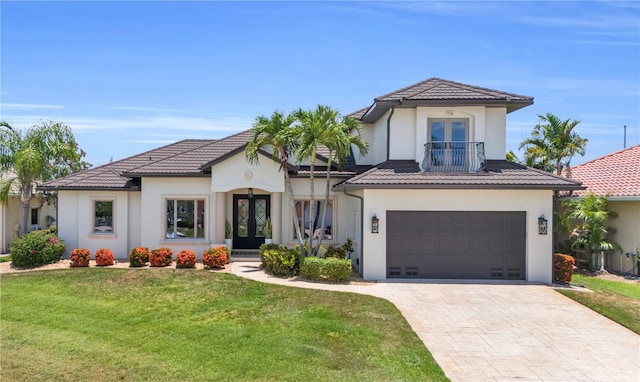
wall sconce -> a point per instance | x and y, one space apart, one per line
375 224
542 225
250 192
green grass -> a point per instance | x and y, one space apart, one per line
616 300
157 325
4 259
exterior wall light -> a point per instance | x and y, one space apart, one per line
542 225
375 224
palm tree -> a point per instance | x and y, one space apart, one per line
552 144
45 152
591 212
277 133
340 141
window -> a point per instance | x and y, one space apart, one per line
34 216
103 216
185 219
303 210
448 139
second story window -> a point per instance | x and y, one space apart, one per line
448 138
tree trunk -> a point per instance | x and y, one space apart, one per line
25 198
292 202
326 202
311 202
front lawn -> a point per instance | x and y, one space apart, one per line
616 300
160 325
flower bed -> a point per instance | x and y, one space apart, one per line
104 257
186 259
215 257
80 257
160 257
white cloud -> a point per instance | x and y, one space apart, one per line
28 106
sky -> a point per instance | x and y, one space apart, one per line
130 76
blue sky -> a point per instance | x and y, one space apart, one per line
132 76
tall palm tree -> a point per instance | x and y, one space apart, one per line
591 212
46 151
345 133
553 143
278 134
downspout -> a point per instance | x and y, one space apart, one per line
393 108
4 230
361 264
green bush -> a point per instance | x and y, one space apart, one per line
37 248
327 269
279 260
340 252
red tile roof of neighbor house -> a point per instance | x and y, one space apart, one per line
615 174
437 91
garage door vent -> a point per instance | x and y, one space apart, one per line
411 272
394 271
514 273
496 272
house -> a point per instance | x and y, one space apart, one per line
447 203
617 176
41 215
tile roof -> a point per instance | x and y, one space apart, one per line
109 176
437 91
499 175
615 174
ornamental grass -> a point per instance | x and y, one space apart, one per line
215 257
104 257
80 257
138 257
186 259
161 257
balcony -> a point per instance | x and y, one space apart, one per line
466 157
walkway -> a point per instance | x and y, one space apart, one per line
501 332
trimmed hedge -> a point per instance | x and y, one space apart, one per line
563 268
328 269
37 248
215 257
160 257
186 259
138 257
279 260
104 257
80 257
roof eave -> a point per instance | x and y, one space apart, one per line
455 187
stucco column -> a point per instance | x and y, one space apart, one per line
276 216
220 212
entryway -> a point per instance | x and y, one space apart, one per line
250 214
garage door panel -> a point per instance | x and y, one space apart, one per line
456 244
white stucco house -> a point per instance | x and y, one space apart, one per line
448 204
617 177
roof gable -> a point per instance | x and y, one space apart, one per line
437 91
616 174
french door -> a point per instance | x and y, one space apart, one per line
448 138
249 217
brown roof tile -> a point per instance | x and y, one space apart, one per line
499 175
615 174
437 91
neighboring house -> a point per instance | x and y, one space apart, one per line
448 204
616 176
41 216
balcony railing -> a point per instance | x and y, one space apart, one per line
454 157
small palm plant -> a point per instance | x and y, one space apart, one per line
268 229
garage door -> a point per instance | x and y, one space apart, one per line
456 244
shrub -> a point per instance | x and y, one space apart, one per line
161 257
328 269
37 248
279 260
80 257
186 259
104 257
341 252
215 257
563 268
138 257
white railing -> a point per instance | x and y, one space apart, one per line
453 157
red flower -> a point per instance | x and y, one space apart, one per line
53 240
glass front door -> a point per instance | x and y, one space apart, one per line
448 138
249 218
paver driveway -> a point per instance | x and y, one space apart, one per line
502 332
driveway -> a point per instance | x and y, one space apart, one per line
501 332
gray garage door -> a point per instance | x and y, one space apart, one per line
456 244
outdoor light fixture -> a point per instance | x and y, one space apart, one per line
375 223
542 225
250 193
